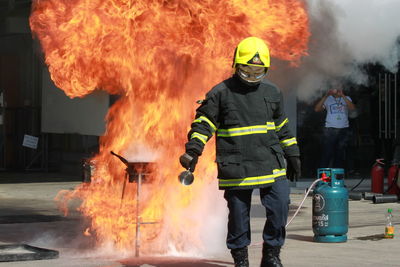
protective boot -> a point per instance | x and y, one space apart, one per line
240 257
270 257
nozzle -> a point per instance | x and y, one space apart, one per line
186 177
186 159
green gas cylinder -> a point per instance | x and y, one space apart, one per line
330 210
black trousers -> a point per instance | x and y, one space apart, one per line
334 147
275 199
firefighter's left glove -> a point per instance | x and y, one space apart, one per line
293 171
189 160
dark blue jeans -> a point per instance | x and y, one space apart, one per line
275 199
334 145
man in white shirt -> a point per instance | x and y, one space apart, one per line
336 131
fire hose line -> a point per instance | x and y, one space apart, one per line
394 182
298 209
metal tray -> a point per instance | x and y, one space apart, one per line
23 252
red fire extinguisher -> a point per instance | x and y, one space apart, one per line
377 174
392 180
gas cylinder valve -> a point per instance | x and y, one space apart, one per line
325 178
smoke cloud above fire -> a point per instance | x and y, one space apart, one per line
345 35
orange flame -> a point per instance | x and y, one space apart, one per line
160 56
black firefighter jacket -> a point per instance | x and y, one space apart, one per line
252 134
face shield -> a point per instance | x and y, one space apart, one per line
251 75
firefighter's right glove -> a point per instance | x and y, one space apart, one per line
189 160
293 172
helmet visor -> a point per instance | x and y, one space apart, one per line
251 74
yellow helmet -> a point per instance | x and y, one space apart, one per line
252 51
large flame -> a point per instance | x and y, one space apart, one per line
160 56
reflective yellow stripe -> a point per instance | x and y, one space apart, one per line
279 127
256 129
203 118
203 138
288 142
270 125
256 180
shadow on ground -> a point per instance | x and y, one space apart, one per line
31 218
305 238
376 237
173 262
36 177
38 227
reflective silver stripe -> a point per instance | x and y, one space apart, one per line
270 125
203 138
279 127
256 129
289 142
256 180
203 118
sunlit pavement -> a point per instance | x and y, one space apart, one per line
29 215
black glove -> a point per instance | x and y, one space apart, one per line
189 160
293 171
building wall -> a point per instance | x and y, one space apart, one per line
21 84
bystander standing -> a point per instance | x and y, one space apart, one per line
336 131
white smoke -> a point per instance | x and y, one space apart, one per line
346 35
215 216
370 30
205 219
140 152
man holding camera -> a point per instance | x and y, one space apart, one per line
336 131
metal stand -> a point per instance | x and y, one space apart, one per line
138 218
138 175
135 172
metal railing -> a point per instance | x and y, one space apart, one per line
388 99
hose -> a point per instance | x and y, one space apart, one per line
354 187
298 209
394 182
302 202
391 185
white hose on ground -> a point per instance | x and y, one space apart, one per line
298 209
302 202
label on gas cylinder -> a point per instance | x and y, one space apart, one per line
319 202
321 220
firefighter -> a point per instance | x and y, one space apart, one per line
246 114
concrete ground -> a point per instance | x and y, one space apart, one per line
29 215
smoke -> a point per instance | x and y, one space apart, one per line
215 214
139 152
345 36
203 231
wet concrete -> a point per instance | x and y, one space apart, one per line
28 215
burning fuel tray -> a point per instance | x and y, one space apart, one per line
23 252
